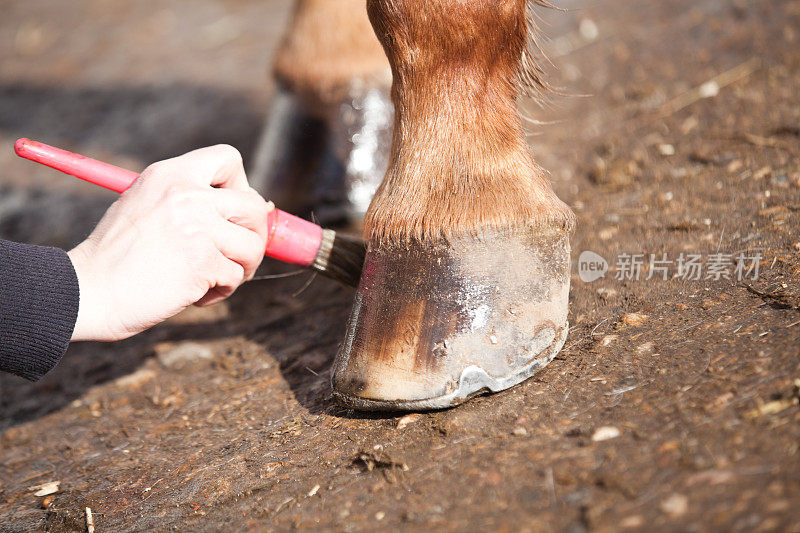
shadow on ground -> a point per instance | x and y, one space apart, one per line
149 123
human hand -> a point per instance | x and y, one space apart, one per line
189 231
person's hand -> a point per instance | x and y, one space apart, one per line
189 231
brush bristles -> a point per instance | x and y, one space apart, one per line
340 257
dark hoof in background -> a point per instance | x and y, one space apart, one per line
325 161
434 325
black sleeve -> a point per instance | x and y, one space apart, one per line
39 299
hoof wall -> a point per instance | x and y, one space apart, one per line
434 325
474 381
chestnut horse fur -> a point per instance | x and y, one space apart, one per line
459 161
465 286
328 44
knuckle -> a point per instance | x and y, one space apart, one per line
194 235
253 266
258 211
163 172
259 202
198 246
154 176
183 200
257 247
249 266
174 192
235 276
155 169
267 208
229 153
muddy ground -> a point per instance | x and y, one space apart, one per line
679 132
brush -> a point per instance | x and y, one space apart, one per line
290 239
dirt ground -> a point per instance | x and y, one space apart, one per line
674 405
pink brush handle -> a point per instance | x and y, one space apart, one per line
290 239
91 170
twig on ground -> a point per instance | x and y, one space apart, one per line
34 476
46 489
711 87
551 485
281 506
89 520
751 138
777 300
623 390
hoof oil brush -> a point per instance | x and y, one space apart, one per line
289 239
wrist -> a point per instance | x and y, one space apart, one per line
92 314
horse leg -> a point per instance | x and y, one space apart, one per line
325 146
465 286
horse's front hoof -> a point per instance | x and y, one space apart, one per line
434 325
325 159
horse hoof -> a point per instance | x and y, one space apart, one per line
325 159
434 325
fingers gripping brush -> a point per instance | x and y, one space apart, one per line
289 238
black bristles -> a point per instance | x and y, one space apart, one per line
345 261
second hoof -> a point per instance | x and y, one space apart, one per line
325 159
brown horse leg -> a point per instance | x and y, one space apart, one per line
325 146
466 282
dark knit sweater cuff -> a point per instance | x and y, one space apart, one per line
39 299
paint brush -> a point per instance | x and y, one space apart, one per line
290 239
